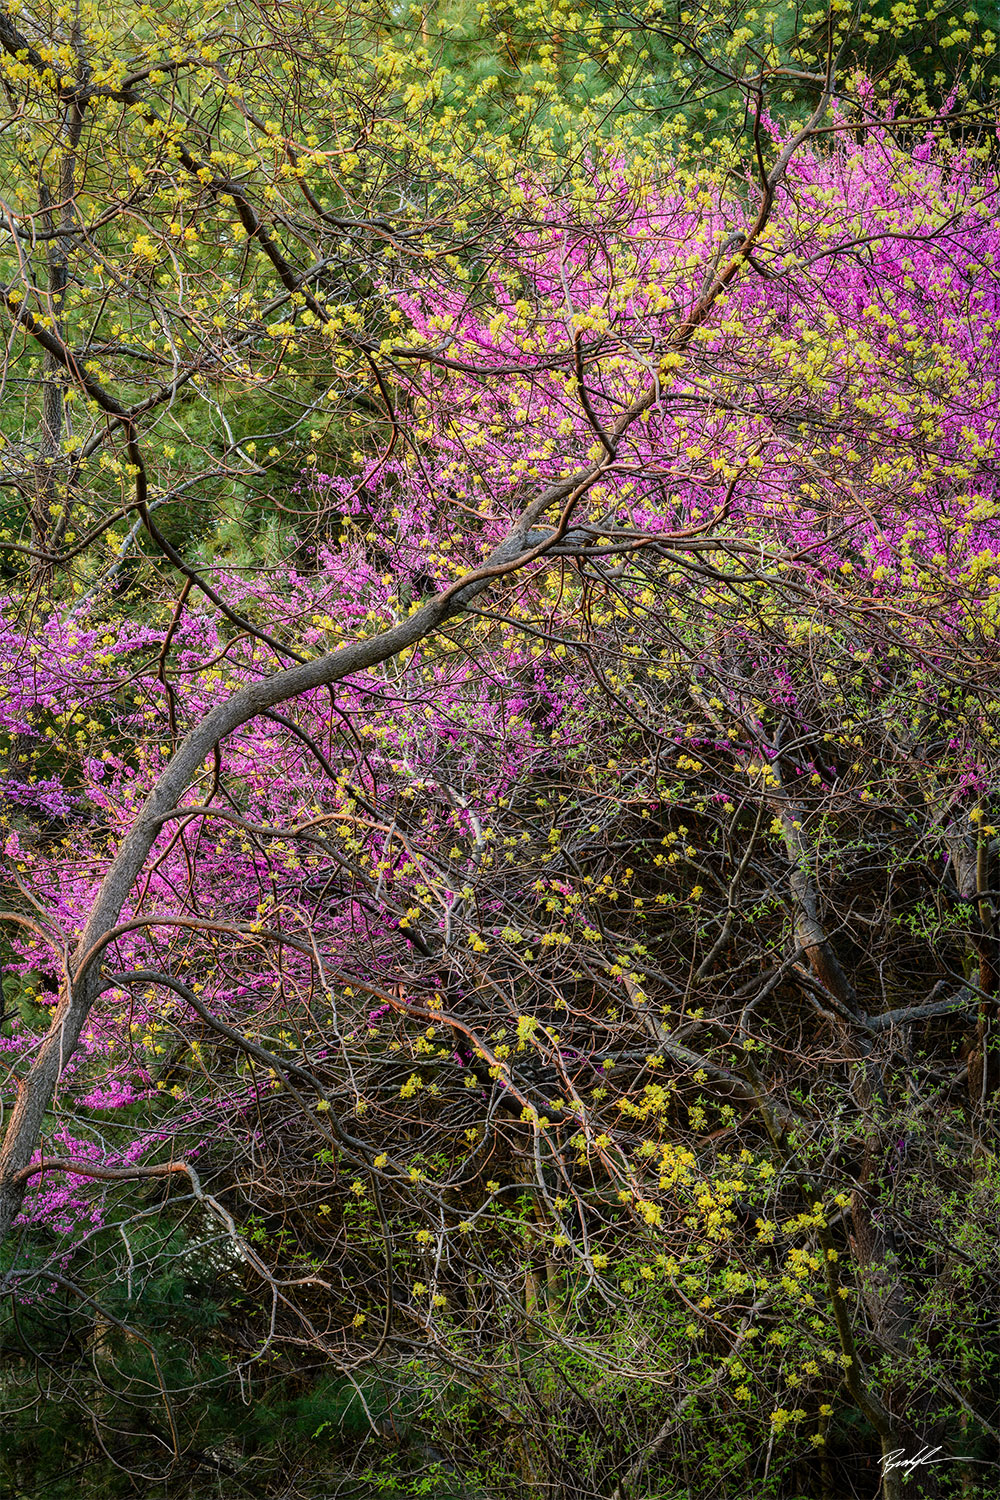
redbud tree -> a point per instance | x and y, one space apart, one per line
530 916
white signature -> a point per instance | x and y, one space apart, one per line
897 1459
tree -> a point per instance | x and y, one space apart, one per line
561 966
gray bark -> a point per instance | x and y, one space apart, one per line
83 980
